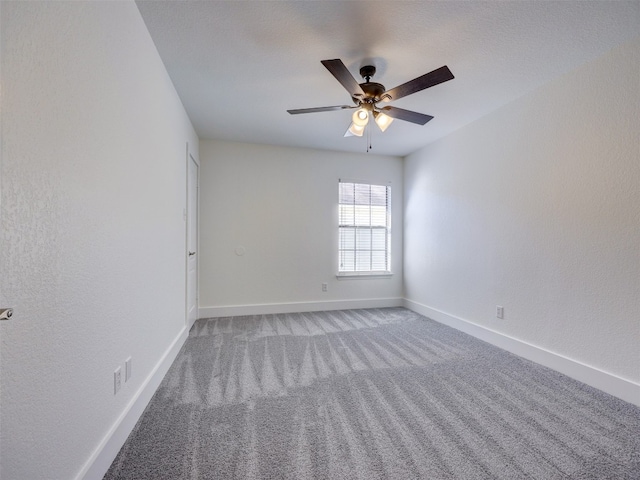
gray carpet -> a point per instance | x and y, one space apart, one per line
370 394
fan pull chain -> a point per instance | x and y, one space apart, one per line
365 135
367 138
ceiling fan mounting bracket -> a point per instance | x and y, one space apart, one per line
367 72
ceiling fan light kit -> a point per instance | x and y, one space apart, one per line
367 95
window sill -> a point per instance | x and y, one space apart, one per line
352 275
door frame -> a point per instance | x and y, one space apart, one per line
191 157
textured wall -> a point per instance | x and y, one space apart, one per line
536 207
93 238
280 204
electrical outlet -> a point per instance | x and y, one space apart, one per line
117 380
324 287
499 311
127 369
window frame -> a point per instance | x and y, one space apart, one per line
356 273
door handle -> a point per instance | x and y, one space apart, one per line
192 253
6 313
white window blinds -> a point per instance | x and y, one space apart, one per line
364 228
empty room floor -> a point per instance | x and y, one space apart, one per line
371 394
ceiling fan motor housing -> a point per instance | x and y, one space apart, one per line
372 93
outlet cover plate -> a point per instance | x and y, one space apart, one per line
127 369
117 380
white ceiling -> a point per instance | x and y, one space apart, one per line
239 65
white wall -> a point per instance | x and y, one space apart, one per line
536 207
93 238
280 204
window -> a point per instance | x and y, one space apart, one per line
364 229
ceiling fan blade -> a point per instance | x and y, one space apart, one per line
342 74
440 75
321 109
407 115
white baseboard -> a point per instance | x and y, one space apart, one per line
607 382
105 453
270 308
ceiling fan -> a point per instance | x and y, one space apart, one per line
367 95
